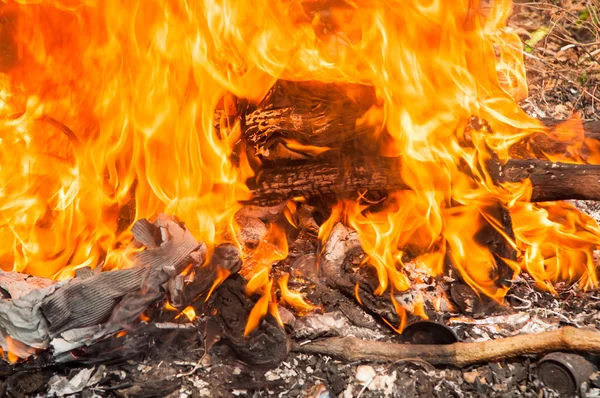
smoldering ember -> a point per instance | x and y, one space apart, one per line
303 198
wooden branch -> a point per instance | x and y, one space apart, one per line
345 177
552 181
458 354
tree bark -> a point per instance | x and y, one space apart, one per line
345 177
352 349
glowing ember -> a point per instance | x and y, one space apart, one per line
108 106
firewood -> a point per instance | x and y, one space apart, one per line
345 177
458 354
328 114
551 180
311 113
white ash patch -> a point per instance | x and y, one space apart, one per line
589 207
202 387
332 323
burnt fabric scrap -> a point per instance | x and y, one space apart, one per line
117 298
23 327
94 304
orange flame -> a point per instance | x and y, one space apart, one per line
107 114
222 274
293 299
257 270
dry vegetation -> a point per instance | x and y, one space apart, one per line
562 56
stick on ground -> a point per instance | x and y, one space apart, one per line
458 354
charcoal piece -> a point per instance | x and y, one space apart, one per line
337 382
225 257
469 301
497 244
24 384
337 263
266 346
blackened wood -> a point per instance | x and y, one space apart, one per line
324 113
558 144
225 258
493 237
340 267
328 115
346 177
591 127
339 177
310 113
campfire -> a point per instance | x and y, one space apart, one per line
268 181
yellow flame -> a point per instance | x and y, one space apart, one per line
107 114
222 274
189 312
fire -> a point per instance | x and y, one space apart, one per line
107 115
292 298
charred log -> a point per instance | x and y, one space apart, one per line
310 113
225 258
346 177
328 115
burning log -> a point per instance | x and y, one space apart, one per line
458 354
326 115
344 178
310 113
